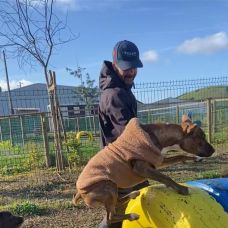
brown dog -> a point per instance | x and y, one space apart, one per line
8 220
134 157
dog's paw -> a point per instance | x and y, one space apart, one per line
134 194
184 190
198 159
133 217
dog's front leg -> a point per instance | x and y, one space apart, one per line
144 169
175 160
125 199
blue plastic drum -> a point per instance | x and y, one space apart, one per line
217 188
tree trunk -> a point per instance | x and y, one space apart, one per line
55 122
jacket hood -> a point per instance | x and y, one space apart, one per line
109 78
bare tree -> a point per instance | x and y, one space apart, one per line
30 31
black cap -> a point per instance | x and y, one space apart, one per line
126 55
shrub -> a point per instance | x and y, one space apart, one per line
74 155
27 208
34 159
7 146
73 144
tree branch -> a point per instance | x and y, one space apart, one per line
30 30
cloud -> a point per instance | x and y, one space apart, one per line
14 84
62 4
210 44
65 1
71 4
90 5
83 5
150 56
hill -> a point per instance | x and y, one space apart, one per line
207 92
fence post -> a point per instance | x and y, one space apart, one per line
94 125
22 130
177 114
77 124
10 131
213 116
45 139
209 119
0 132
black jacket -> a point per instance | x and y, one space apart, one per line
117 104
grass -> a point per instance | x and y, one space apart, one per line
36 194
36 208
27 208
51 194
208 175
210 91
33 204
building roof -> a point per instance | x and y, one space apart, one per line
36 96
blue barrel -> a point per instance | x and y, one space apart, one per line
217 188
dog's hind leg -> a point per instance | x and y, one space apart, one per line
110 209
110 206
112 217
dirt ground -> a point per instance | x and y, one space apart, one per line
55 191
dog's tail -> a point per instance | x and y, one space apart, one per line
76 197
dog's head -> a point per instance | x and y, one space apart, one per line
8 220
194 140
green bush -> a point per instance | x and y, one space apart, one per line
27 208
73 144
34 159
220 137
31 159
8 169
6 145
80 148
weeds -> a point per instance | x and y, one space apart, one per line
208 174
27 208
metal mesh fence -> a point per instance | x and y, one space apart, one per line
26 137
204 99
21 146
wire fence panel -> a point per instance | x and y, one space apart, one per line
21 148
27 139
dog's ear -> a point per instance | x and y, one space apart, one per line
187 124
185 118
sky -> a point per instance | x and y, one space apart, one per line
177 40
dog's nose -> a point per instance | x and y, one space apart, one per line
212 149
209 151
20 220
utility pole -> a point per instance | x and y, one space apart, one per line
11 112
20 83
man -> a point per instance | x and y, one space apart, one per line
117 102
